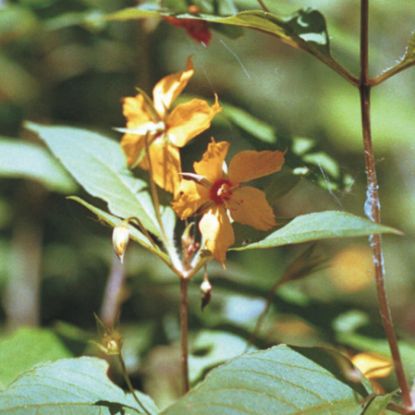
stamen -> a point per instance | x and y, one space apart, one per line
221 191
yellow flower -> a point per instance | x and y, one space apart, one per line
221 198
166 130
373 366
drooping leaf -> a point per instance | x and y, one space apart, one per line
320 225
99 165
306 29
113 221
20 159
25 348
275 381
67 387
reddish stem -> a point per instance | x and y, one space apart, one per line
372 205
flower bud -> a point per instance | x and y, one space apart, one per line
206 291
120 239
111 343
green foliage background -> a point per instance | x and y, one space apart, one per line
54 71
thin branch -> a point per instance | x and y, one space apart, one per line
372 204
263 5
130 385
184 328
389 73
112 300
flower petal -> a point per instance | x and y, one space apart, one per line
135 111
196 29
372 365
170 87
250 165
190 196
165 161
217 232
190 119
250 207
133 146
211 165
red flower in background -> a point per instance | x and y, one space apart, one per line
196 29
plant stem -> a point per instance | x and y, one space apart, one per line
171 251
130 385
184 327
112 300
372 204
263 5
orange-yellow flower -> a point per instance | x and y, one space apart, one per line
373 366
166 130
221 198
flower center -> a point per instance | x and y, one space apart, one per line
221 191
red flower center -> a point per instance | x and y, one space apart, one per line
221 191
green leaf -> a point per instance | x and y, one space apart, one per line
305 29
275 381
377 404
20 159
132 13
25 348
113 221
67 387
211 348
321 225
99 165
252 125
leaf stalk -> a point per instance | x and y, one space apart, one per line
184 329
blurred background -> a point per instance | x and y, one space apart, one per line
60 63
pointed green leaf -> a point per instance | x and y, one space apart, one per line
99 165
20 159
321 225
68 387
275 381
